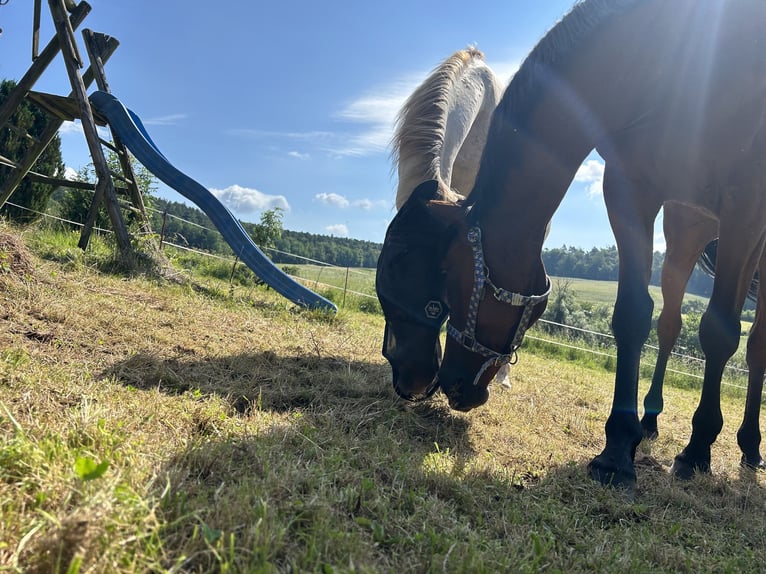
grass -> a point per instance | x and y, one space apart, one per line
149 426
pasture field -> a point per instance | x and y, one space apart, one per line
148 425
362 280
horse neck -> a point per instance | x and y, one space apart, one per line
523 177
552 115
468 124
436 121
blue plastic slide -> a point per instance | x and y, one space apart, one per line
130 129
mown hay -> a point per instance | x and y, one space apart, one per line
15 259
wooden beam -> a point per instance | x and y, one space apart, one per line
64 108
96 44
59 182
38 66
36 30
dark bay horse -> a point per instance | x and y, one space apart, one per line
437 146
673 97
688 232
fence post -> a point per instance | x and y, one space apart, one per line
162 231
345 288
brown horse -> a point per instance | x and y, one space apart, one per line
673 96
439 137
687 232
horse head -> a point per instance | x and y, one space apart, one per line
487 321
410 287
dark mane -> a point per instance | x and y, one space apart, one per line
550 53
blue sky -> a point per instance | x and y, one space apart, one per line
291 104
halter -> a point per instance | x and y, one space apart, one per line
481 278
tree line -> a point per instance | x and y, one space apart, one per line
602 264
291 247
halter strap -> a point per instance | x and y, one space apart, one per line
467 338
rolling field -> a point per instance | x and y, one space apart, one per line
156 426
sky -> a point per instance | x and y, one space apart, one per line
291 104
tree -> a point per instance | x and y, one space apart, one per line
269 230
32 196
73 204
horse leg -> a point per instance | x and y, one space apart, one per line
749 434
633 230
719 338
687 231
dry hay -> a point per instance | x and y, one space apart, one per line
15 259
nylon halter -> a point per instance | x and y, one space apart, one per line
467 338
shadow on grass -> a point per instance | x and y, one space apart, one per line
383 508
349 391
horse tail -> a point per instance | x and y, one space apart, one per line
707 264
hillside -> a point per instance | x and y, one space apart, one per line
197 427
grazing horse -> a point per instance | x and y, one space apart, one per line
687 233
439 137
673 97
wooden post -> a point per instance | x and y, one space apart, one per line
96 44
36 30
345 288
104 187
164 223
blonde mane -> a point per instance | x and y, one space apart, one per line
421 124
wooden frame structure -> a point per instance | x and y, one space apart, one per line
67 16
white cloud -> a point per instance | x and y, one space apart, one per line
169 120
375 112
369 204
339 201
70 127
332 199
591 172
269 134
248 200
70 174
75 127
339 230
299 155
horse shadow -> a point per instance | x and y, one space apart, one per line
316 385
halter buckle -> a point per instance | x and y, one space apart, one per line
468 341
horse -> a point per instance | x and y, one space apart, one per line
673 97
690 236
438 139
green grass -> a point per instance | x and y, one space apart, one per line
148 426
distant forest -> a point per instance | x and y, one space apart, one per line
291 246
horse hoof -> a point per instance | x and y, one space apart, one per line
609 475
649 427
684 469
650 434
757 463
